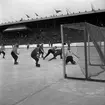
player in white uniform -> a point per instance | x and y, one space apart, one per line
14 53
2 50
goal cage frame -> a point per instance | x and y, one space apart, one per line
83 28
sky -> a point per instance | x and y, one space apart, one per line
12 10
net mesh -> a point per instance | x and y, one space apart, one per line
96 38
95 50
96 58
71 34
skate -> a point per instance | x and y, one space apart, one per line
43 58
37 65
16 63
74 63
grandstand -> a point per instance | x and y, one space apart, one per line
44 29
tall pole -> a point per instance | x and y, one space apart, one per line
62 39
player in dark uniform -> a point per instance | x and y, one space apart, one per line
58 52
35 55
2 50
14 53
68 43
41 50
50 51
28 46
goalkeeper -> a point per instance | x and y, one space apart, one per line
69 57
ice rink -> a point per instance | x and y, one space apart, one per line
24 84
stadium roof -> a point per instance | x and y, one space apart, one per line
53 17
16 28
79 25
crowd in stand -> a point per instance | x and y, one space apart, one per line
36 37
32 38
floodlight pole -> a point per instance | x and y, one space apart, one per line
64 66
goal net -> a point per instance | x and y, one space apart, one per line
88 50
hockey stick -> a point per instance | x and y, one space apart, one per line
75 55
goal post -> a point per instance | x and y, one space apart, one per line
84 69
62 39
63 48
